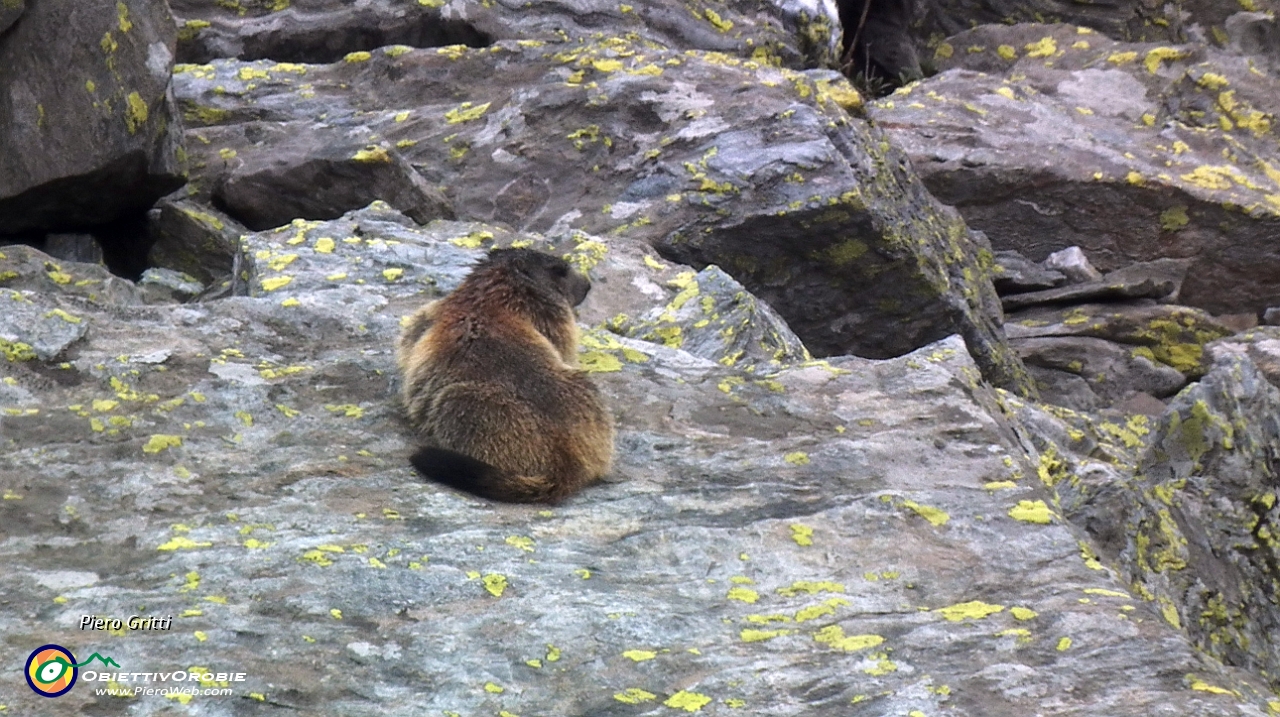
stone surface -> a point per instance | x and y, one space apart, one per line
84 148
805 204
10 11
1111 370
322 176
1173 335
803 33
1161 279
714 317
1203 522
850 531
1049 136
1261 345
1014 273
193 239
81 248
1256 34
1073 264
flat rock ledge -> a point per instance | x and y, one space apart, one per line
832 537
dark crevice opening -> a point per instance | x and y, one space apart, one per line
121 246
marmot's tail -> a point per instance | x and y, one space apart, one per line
479 478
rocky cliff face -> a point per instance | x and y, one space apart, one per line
835 490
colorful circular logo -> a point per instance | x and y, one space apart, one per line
51 670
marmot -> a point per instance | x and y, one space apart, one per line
491 384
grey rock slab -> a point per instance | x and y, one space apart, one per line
1049 136
788 552
25 268
322 176
1073 263
1261 345
1257 34
1014 273
1172 335
777 184
800 33
90 127
194 239
1202 516
714 317
1112 370
1160 279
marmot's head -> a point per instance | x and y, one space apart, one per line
542 273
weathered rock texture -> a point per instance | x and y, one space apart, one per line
840 536
88 126
803 33
1048 136
806 205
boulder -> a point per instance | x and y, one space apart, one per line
1014 274
1172 335
91 131
1261 345
1202 519
194 239
804 204
1112 371
1073 264
1161 279
1051 136
314 176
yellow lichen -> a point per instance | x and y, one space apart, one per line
973 610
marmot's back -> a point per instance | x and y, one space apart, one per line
491 386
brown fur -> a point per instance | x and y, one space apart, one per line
491 384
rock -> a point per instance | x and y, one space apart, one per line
73 247
1160 279
1073 264
1202 516
1014 273
1065 388
1238 322
1046 137
633 143
1141 403
109 147
319 177
1172 335
194 239
1260 345
163 286
1255 33
864 533
1271 316
29 330
28 269
715 318
10 11
1112 371
800 33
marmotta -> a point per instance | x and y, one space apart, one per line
492 387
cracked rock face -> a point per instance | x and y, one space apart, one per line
793 539
805 204
1050 136
91 130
